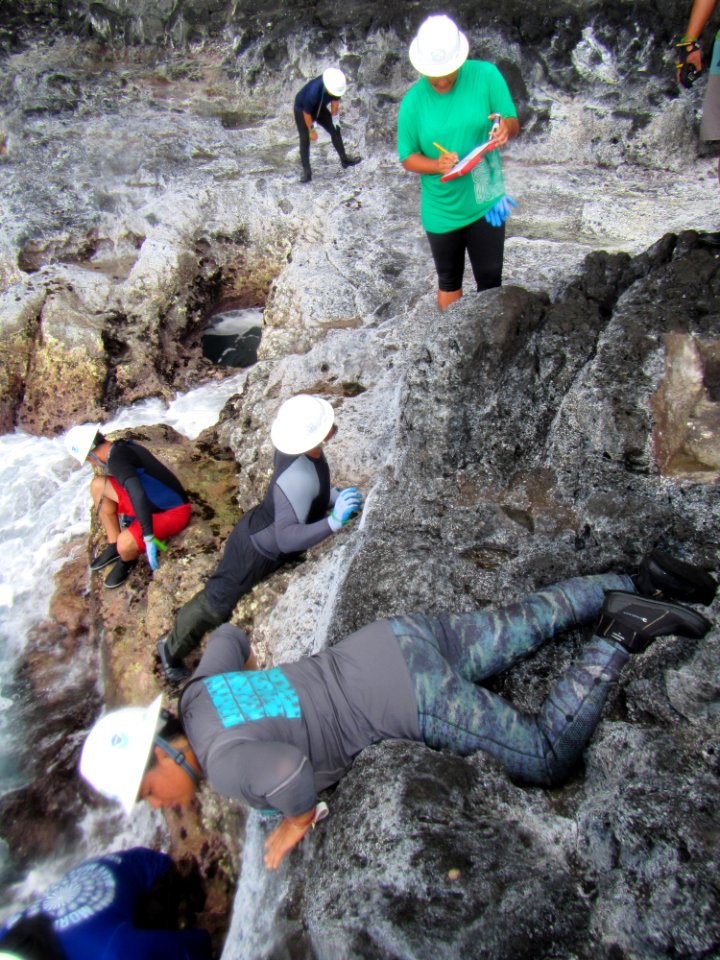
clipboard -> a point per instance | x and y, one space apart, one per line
469 161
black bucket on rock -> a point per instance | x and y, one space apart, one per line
232 337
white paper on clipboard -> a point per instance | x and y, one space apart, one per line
469 161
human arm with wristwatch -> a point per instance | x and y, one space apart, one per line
689 54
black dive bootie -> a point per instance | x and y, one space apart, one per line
174 670
109 555
636 621
119 573
661 574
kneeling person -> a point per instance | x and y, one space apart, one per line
130 482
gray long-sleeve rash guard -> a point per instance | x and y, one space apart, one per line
291 517
274 738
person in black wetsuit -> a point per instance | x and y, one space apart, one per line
133 484
319 102
291 518
275 738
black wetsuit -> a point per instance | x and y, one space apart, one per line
290 519
151 487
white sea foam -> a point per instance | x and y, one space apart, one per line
44 503
235 321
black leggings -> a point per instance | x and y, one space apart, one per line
485 246
240 568
324 118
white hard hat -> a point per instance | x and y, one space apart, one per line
301 424
79 440
335 82
439 47
116 752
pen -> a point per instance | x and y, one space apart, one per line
496 117
441 149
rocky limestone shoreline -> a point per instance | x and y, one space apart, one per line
561 425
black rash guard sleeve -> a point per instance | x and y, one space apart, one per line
124 461
141 504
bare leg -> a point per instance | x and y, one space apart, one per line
127 546
106 507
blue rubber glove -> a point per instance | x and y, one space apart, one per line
498 214
348 503
336 121
151 552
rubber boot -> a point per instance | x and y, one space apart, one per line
337 142
306 175
174 670
663 575
711 239
193 621
636 621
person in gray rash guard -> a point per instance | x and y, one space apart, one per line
291 518
277 737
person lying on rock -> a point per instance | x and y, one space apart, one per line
292 517
133 486
319 102
275 738
123 905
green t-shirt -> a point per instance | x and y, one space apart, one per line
459 121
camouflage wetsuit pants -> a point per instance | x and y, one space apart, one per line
448 655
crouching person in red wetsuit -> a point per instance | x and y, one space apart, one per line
129 482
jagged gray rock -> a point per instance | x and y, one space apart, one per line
528 434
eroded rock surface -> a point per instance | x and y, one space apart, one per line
563 424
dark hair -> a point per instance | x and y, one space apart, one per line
171 726
33 938
170 730
99 438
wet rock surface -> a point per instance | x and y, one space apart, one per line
601 866
561 425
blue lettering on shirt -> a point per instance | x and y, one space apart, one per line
244 697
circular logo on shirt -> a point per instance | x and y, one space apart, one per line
81 894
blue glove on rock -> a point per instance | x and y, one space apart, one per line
498 214
348 503
151 552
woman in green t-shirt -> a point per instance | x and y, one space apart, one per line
455 106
